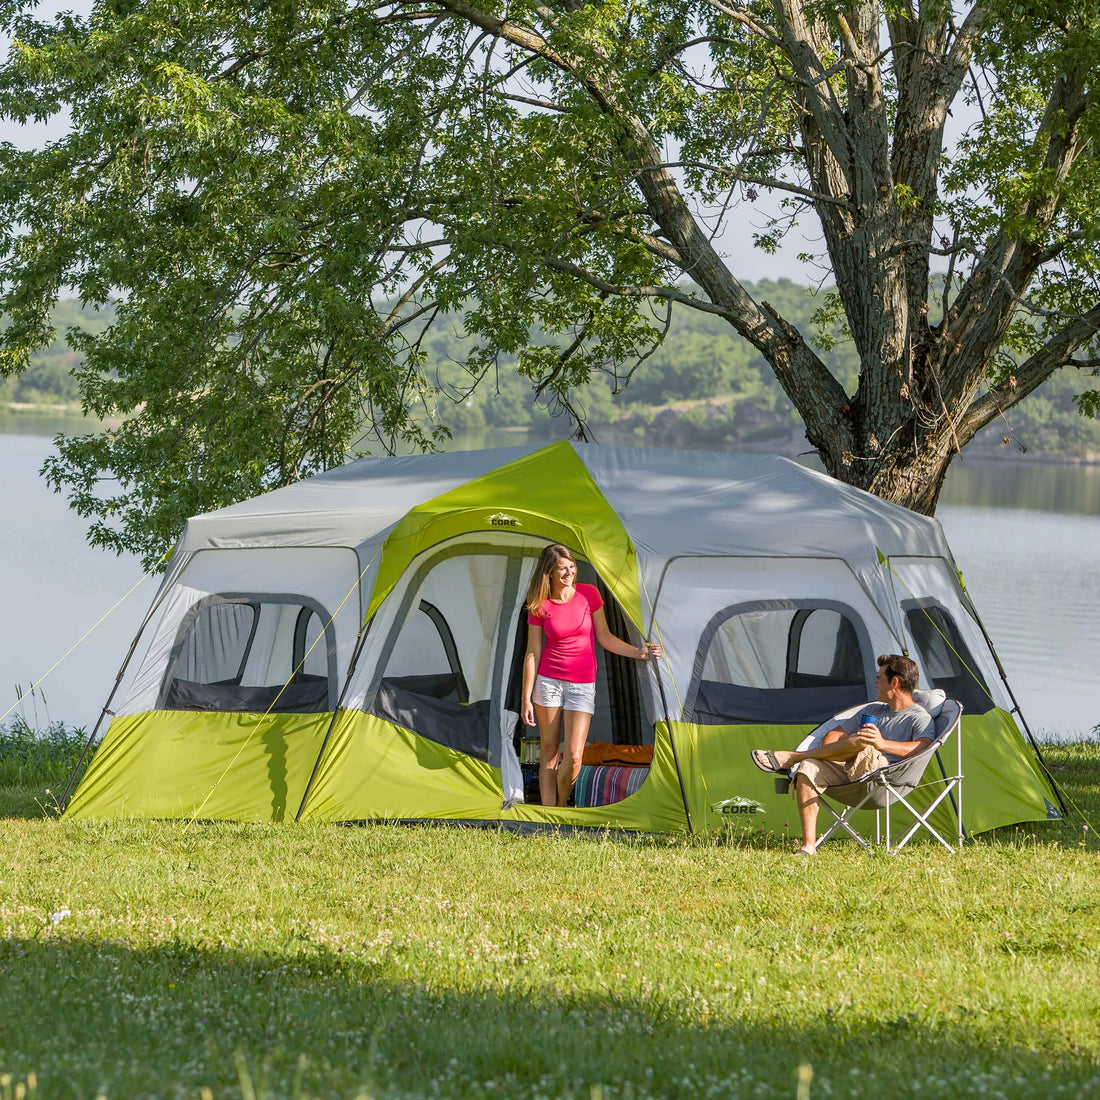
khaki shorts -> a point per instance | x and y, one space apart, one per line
565 694
835 773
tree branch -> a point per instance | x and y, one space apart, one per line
667 293
981 314
1058 352
700 261
761 181
747 20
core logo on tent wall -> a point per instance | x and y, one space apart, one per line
737 805
502 519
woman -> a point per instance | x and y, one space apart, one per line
564 620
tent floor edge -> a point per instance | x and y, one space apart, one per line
514 828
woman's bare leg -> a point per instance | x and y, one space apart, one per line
576 734
549 719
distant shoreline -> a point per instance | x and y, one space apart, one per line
32 408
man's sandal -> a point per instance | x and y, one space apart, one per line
772 764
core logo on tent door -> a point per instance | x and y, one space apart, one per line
502 519
737 805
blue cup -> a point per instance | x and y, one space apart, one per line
868 720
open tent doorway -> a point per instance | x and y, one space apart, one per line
621 733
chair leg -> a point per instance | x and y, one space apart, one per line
921 820
841 821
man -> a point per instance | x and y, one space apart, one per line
854 748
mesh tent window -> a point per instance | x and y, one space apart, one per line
425 657
781 661
252 653
945 659
437 669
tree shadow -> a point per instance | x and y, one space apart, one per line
89 1017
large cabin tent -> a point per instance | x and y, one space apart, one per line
349 648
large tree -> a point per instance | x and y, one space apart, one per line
281 199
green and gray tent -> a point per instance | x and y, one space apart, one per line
349 648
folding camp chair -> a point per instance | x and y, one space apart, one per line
893 784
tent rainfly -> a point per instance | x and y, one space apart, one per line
349 648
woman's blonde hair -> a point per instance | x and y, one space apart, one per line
538 591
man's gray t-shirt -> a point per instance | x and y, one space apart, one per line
910 724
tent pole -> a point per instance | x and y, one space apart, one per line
91 737
672 743
317 762
664 704
158 599
332 721
968 605
106 706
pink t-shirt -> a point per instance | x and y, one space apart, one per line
569 638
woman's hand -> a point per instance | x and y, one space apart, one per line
530 670
648 649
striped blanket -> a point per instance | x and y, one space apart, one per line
600 785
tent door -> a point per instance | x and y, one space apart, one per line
620 717
440 668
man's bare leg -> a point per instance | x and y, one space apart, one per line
836 750
806 798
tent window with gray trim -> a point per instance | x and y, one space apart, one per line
251 653
944 658
425 656
437 679
779 661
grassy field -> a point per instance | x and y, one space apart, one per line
153 959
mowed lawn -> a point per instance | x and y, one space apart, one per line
157 959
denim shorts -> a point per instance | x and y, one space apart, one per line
564 694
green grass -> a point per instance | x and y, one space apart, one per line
35 766
153 959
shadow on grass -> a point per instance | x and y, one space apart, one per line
29 802
99 1017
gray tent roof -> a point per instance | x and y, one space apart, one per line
691 502
672 502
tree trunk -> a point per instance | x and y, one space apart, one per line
909 475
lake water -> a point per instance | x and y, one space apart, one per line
1026 536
